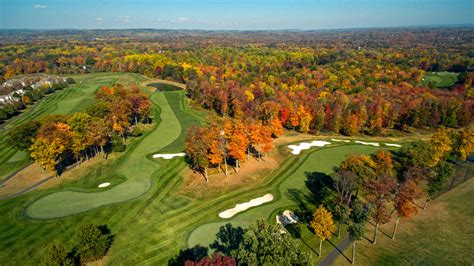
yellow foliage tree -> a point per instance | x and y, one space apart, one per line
464 144
323 225
47 152
441 143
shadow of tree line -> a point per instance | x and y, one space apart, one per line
228 239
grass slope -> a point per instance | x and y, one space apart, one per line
440 235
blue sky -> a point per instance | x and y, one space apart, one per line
227 14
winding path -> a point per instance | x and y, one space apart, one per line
336 252
136 168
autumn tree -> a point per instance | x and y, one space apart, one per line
404 201
215 260
98 133
79 142
216 146
23 136
345 185
379 193
276 127
441 145
196 148
323 225
47 152
139 104
254 135
384 163
463 143
267 139
304 119
360 166
238 143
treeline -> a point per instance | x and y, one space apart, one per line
57 140
28 96
348 85
231 141
385 186
309 108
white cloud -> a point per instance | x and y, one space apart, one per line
99 19
41 6
179 20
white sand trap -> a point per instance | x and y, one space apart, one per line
341 140
393 145
244 206
288 217
306 145
368 143
169 156
106 184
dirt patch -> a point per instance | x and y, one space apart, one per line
252 170
27 177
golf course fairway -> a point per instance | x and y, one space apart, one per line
136 168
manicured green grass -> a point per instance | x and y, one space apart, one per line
440 79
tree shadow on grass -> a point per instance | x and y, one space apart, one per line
380 230
195 253
321 186
294 230
304 213
228 239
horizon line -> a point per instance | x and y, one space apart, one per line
276 29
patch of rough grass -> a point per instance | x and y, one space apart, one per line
440 235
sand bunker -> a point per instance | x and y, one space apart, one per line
393 145
341 140
244 206
306 145
367 143
288 217
106 184
168 156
